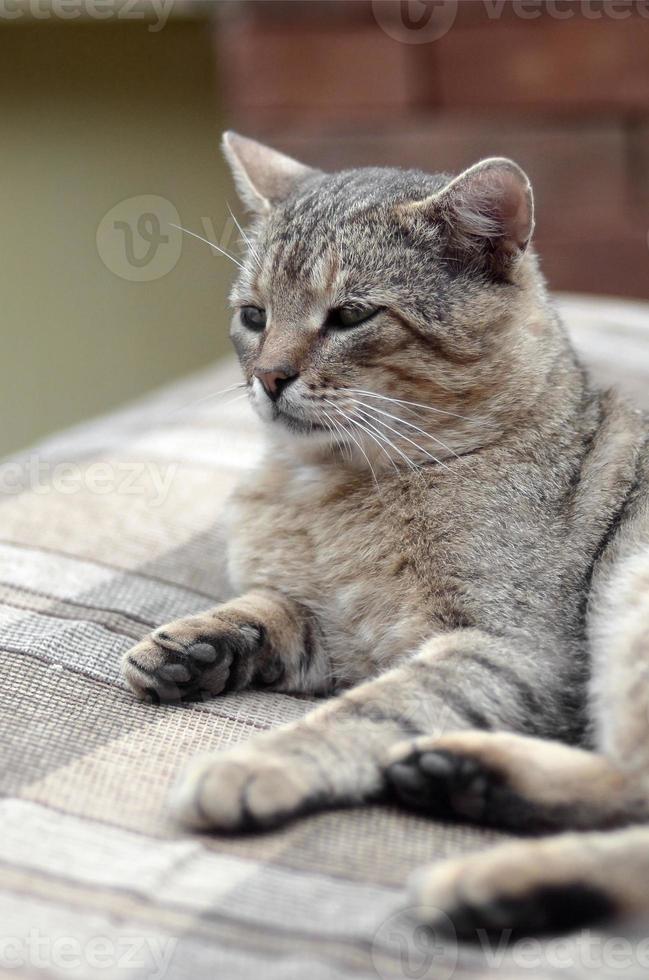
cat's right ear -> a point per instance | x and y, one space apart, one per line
263 176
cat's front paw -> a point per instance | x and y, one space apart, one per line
242 789
189 657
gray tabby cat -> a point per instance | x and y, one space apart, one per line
449 530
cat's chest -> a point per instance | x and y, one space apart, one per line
309 527
337 544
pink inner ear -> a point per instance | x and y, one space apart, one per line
496 203
515 209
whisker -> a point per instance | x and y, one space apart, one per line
410 425
382 436
407 438
211 244
237 399
401 401
334 429
205 398
378 441
355 422
352 436
253 250
326 421
337 432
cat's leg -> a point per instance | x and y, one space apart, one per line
512 781
535 785
569 880
336 755
555 884
619 640
260 638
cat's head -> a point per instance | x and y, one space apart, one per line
386 306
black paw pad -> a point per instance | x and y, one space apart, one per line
205 653
442 784
545 909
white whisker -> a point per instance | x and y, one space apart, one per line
352 436
382 436
237 399
410 425
211 244
400 435
337 433
205 398
326 421
253 250
401 401
362 428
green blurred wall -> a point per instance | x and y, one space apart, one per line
91 114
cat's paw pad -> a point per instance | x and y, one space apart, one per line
191 657
242 789
523 887
441 780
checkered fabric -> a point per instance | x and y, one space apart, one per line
106 532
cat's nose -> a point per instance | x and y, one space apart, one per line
275 380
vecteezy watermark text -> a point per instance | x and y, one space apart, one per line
147 955
425 21
155 11
424 944
42 477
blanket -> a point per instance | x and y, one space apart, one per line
107 531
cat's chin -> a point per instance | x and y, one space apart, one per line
284 428
293 424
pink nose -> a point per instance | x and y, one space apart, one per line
275 380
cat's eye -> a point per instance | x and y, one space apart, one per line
343 317
253 317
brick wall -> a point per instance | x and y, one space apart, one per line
561 87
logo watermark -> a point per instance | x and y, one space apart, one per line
421 951
425 21
137 239
141 238
423 941
149 956
43 477
415 21
155 12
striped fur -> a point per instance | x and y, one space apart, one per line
449 531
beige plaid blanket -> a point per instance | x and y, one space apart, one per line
105 532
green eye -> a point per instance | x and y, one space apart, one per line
343 317
253 317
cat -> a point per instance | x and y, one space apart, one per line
449 531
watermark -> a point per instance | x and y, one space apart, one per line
43 477
421 951
138 239
155 12
141 238
147 955
415 21
425 21
586 950
424 943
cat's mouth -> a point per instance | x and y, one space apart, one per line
291 415
296 424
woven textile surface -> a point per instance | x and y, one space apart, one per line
106 532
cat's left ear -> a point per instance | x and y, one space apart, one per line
486 214
263 176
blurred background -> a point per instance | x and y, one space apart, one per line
110 117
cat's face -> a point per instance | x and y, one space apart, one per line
375 306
